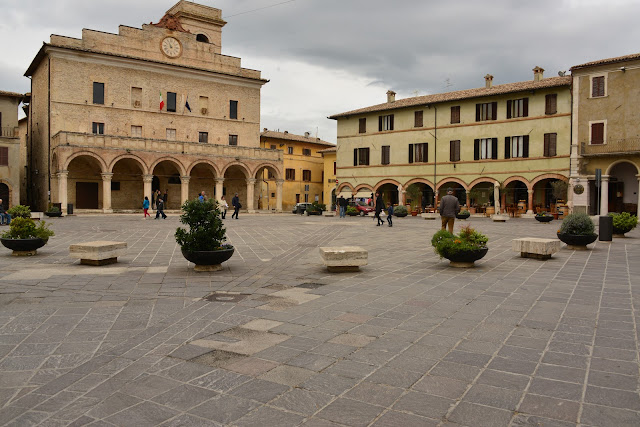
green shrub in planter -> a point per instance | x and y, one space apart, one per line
447 245
623 222
19 211
351 211
577 224
400 211
206 232
53 209
317 207
25 228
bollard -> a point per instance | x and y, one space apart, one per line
606 228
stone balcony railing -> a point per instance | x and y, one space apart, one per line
9 132
611 147
163 145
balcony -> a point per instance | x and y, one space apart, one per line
611 148
162 145
9 132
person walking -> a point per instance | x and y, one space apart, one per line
223 207
379 209
145 207
202 197
5 217
449 207
390 214
153 200
342 204
160 209
235 202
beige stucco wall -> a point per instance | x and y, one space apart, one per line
9 137
329 183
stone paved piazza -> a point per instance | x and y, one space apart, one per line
407 341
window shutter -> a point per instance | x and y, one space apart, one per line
4 157
379 123
391 123
478 112
355 157
494 111
525 107
366 154
494 148
553 144
525 146
476 149
363 125
410 153
545 151
458 150
507 147
597 133
551 103
426 152
509 107
452 151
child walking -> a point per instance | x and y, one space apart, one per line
145 206
390 214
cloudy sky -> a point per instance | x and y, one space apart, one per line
324 57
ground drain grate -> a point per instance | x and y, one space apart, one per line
310 285
225 297
218 358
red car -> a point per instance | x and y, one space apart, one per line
362 207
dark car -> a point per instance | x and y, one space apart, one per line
362 207
299 208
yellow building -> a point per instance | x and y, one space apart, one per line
606 135
330 183
116 116
498 145
303 169
10 164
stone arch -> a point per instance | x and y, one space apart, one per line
99 159
8 202
617 162
364 187
548 176
342 187
203 161
418 181
202 37
54 162
176 163
383 182
242 166
517 178
451 179
142 164
480 180
269 166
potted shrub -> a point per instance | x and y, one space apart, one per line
316 208
53 211
462 249
623 223
24 237
400 211
202 244
352 211
544 217
463 214
577 231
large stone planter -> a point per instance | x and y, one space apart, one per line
463 215
208 260
466 259
23 247
620 232
576 241
53 214
545 218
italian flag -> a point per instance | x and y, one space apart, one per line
161 102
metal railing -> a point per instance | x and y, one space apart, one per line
612 146
9 132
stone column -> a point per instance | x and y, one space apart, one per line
279 185
184 188
146 179
530 202
220 189
251 185
468 200
62 189
496 197
604 195
106 192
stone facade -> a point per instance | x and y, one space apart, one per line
116 116
606 135
330 184
10 164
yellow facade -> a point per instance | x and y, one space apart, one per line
10 163
330 184
303 169
432 120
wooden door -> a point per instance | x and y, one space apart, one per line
86 195
4 195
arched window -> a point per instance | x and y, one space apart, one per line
202 38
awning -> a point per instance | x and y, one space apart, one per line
345 194
363 194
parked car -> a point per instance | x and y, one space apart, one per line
299 208
362 207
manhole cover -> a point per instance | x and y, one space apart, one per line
218 358
310 285
225 297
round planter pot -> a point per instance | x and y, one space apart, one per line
620 232
466 259
546 218
23 247
414 213
575 241
53 214
315 212
208 260
463 216
401 215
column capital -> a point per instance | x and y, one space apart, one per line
530 191
279 181
605 177
147 178
185 179
106 176
62 173
219 180
251 180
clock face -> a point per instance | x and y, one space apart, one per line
171 47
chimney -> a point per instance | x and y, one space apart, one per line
538 74
391 96
306 134
488 81
286 132
264 130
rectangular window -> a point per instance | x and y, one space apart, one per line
419 153
273 146
485 148
290 174
454 151
97 128
203 137
362 125
418 119
360 156
306 175
171 134
518 108
334 168
486 111
4 156
233 109
233 139
98 93
516 146
455 114
204 105
171 101
597 133
136 131
386 154
385 122
136 97
550 142
551 104
306 151
289 150
597 86
306 198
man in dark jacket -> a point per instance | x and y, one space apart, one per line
342 204
235 202
160 209
449 207
379 209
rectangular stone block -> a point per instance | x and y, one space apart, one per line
344 258
98 252
430 215
535 247
500 218
329 213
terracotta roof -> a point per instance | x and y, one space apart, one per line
11 94
329 150
293 137
608 61
462 94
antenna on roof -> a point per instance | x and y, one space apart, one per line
562 73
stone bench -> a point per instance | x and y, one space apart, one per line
430 215
328 213
98 253
344 258
534 247
500 218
